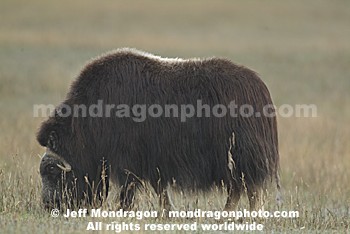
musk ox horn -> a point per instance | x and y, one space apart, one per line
66 166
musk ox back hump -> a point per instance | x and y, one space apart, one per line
193 152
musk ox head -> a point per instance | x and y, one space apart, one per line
61 182
69 176
55 172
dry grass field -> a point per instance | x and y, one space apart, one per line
300 48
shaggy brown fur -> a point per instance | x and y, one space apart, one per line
162 150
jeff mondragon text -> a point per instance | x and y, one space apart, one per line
197 213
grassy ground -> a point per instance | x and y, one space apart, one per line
301 49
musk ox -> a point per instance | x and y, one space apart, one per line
85 151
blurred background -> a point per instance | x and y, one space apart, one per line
300 48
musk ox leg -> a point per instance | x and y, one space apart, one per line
165 201
279 198
234 189
234 194
101 183
127 196
255 197
163 195
127 193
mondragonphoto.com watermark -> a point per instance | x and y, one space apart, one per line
140 112
139 220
